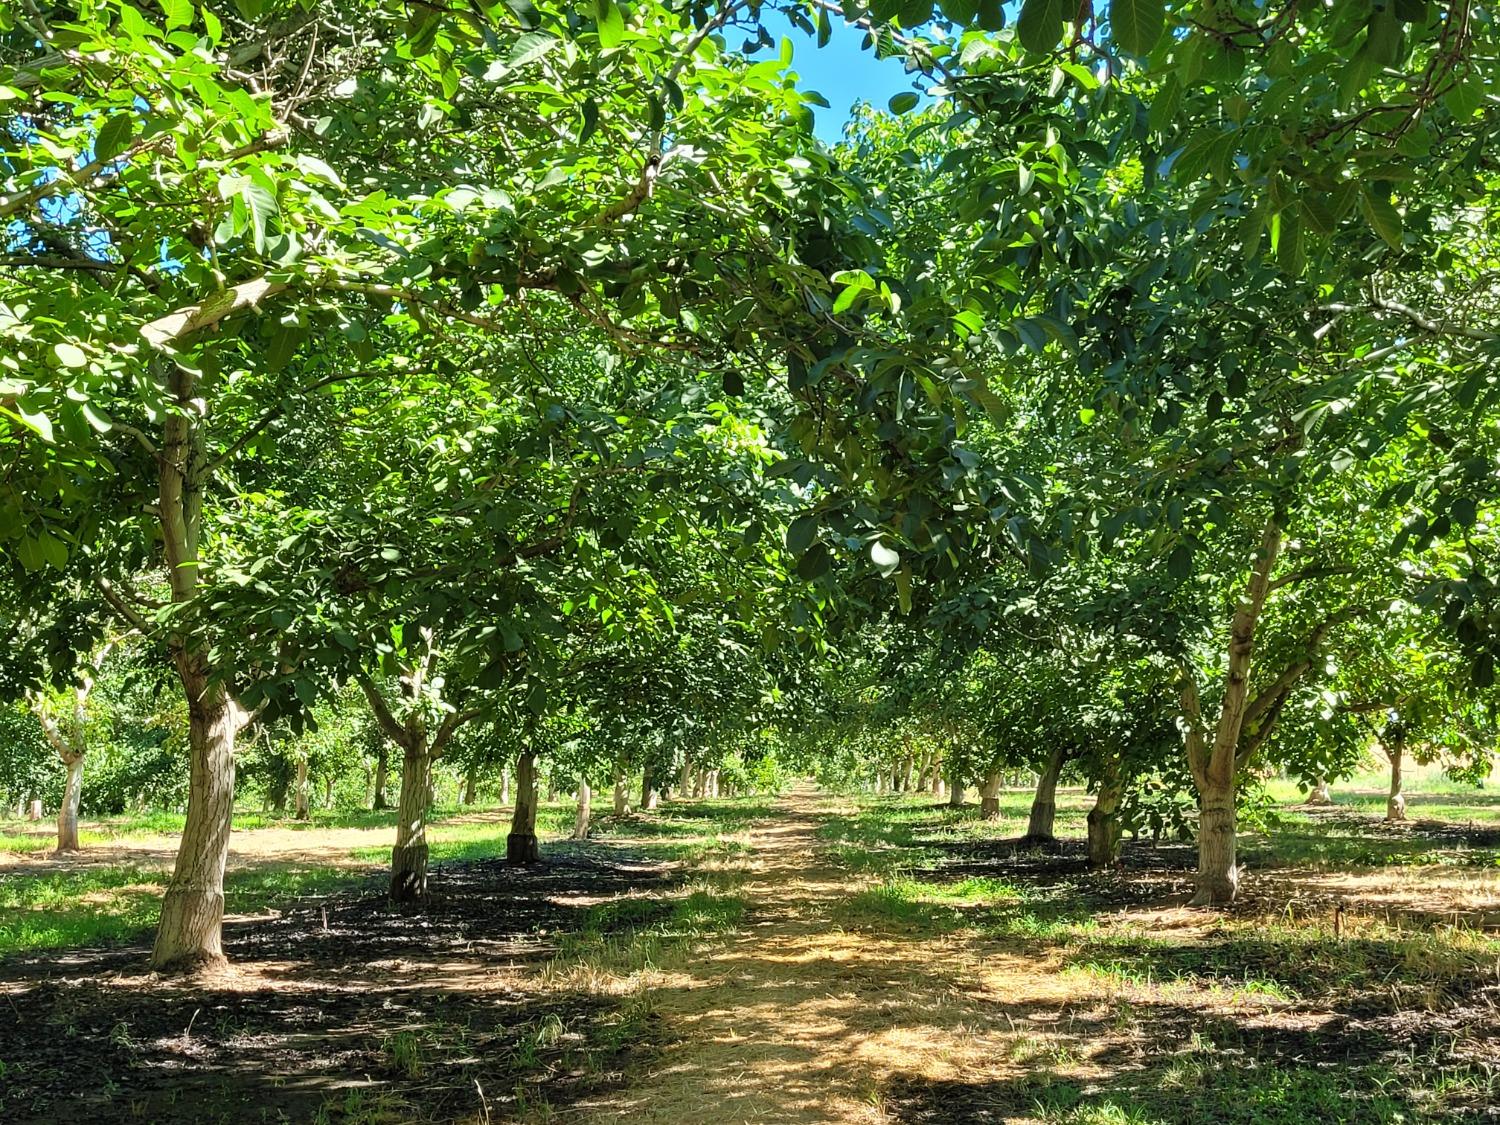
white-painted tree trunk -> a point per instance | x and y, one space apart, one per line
1395 803
581 821
989 796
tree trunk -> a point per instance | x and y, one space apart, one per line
1218 873
192 910
1216 765
1044 805
505 785
551 786
328 791
382 777
1395 804
685 780
470 784
648 793
409 856
622 798
303 811
713 783
937 773
1104 821
989 796
67 812
581 824
955 792
521 844
906 774
1321 793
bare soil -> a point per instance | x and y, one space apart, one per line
339 1006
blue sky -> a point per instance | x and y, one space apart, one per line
843 72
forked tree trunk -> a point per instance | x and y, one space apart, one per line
989 796
1395 804
906 774
1104 818
581 823
71 746
622 797
937 774
1321 793
382 777
67 812
409 856
521 845
713 783
1044 805
192 910
302 809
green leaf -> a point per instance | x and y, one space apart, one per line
800 532
815 563
530 47
904 102
960 11
1040 27
1484 670
114 136
54 550
70 355
992 15
1135 25
179 13
611 23
1180 562
1383 217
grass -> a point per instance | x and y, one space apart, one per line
1243 984
61 907
50 908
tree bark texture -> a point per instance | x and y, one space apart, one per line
1039 830
409 856
989 796
192 910
521 844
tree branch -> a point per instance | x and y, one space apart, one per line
387 721
122 607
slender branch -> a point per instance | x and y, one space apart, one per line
449 727
394 730
1310 572
122 607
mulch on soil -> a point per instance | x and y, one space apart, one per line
338 1009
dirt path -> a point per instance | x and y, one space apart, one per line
797 1020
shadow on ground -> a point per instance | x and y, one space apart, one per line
340 1009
